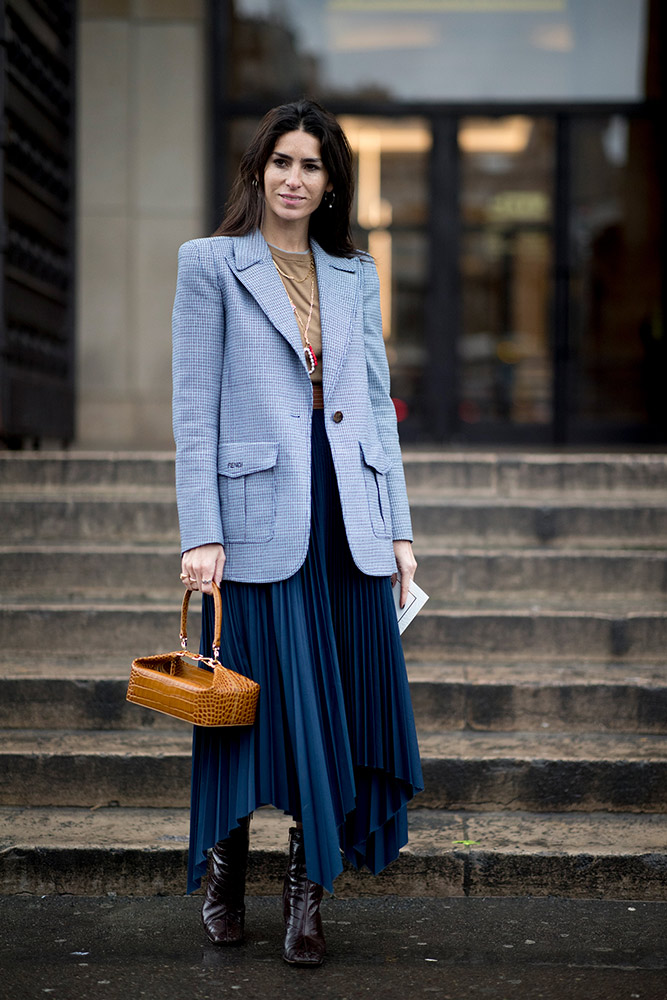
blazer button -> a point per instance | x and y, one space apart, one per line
337 417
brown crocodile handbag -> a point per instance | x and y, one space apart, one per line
176 684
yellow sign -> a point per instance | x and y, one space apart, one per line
519 206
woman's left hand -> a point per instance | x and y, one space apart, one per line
407 566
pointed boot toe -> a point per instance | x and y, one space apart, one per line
223 924
304 953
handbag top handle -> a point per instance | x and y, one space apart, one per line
217 600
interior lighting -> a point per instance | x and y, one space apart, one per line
495 135
402 35
553 37
409 136
369 139
380 247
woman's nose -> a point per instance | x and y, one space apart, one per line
294 178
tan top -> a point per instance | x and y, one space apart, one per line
297 264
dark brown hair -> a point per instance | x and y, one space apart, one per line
330 226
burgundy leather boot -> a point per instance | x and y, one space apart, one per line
304 937
223 912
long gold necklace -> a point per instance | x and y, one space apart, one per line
308 347
292 277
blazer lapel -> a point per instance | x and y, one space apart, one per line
253 265
338 288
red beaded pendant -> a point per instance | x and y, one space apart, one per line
310 356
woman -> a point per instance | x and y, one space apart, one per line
292 498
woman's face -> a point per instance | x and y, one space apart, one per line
295 178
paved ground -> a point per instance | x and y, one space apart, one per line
72 948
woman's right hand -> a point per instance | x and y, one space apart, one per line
201 565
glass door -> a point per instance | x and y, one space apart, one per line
505 267
617 356
389 219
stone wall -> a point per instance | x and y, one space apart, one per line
141 169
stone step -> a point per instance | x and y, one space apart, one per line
507 473
529 473
548 695
102 629
462 770
613 604
143 852
451 633
576 697
591 523
537 632
475 571
150 515
55 469
544 771
93 571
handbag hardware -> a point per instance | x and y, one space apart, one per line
193 687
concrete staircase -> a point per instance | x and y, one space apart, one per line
538 673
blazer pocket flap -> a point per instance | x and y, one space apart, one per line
375 457
243 457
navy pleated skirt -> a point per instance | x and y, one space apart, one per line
334 742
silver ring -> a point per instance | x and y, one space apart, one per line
207 581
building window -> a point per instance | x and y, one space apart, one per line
440 50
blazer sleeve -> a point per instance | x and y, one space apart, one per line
381 403
198 337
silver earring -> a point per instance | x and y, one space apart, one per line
330 199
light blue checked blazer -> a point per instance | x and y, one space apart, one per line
242 410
